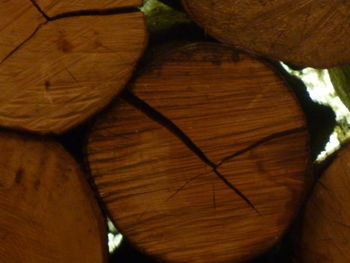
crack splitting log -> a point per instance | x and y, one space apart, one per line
310 33
162 156
56 73
53 8
48 212
158 117
326 226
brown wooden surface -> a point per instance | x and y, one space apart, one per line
19 19
56 74
172 184
307 33
47 210
326 229
56 7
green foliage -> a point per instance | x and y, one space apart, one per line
161 17
340 78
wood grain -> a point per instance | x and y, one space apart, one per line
325 236
68 69
54 8
204 160
13 34
305 32
47 211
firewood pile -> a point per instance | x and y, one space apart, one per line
189 138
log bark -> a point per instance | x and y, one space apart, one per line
47 210
56 73
204 160
327 217
305 33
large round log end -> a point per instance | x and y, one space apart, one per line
204 159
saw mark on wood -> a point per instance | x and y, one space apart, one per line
71 74
168 124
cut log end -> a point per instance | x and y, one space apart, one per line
204 159
56 74
327 219
304 33
47 211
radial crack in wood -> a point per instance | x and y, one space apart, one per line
53 8
235 100
19 19
306 33
40 10
47 210
270 175
64 71
164 121
327 217
156 156
258 143
22 43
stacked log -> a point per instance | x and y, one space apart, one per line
202 154
48 213
304 33
325 235
60 62
60 68
204 160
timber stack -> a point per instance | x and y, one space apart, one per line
198 154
